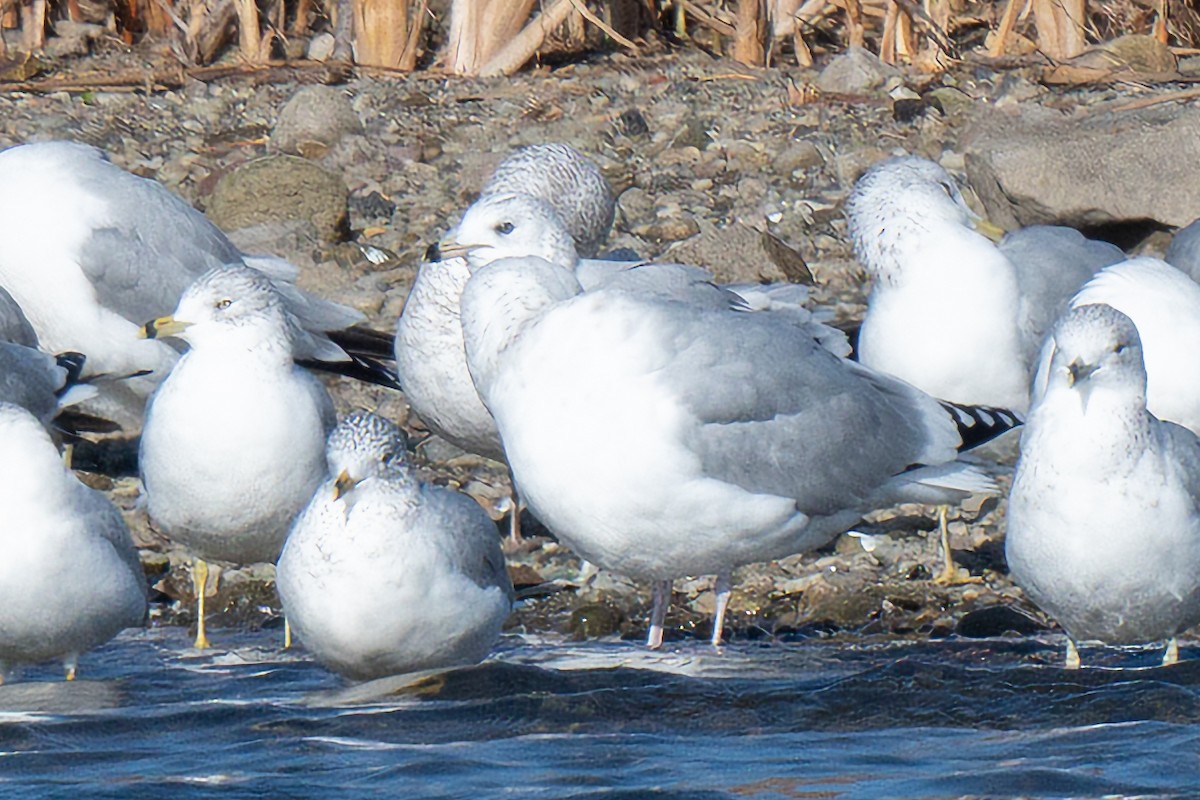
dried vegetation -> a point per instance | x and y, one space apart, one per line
498 37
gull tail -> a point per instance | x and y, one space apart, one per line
979 424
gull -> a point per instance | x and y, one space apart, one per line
382 574
1164 305
949 310
90 252
234 438
430 359
70 578
658 439
569 181
1104 518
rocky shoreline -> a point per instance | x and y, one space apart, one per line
738 170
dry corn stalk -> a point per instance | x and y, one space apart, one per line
479 29
1060 31
750 33
387 33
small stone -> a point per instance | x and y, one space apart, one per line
594 620
797 156
320 47
671 229
856 71
314 120
636 207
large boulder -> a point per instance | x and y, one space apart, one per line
1032 165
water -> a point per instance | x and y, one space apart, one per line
550 719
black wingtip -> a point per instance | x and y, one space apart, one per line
980 424
359 340
73 363
359 368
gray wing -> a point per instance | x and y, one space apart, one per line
467 535
1184 252
152 244
777 413
1052 262
14 327
695 286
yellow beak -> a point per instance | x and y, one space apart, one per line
993 232
163 327
342 484
451 249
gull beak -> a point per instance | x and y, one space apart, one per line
1077 377
991 231
343 484
162 327
1077 372
448 248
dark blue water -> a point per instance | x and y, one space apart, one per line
846 719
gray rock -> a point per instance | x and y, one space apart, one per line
72 38
278 188
1031 168
320 47
856 71
313 120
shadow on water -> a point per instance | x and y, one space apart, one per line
607 719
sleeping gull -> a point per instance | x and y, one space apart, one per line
949 311
70 578
1104 518
1164 305
659 439
382 574
91 252
430 359
234 439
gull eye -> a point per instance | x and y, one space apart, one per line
504 228
948 188
1120 348
224 304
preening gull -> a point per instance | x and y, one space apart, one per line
91 252
234 439
1104 518
949 311
659 439
70 578
382 574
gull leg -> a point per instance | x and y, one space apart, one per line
200 586
660 596
287 633
951 574
1073 661
515 540
70 665
1171 656
723 588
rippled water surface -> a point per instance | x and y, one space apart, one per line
846 719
